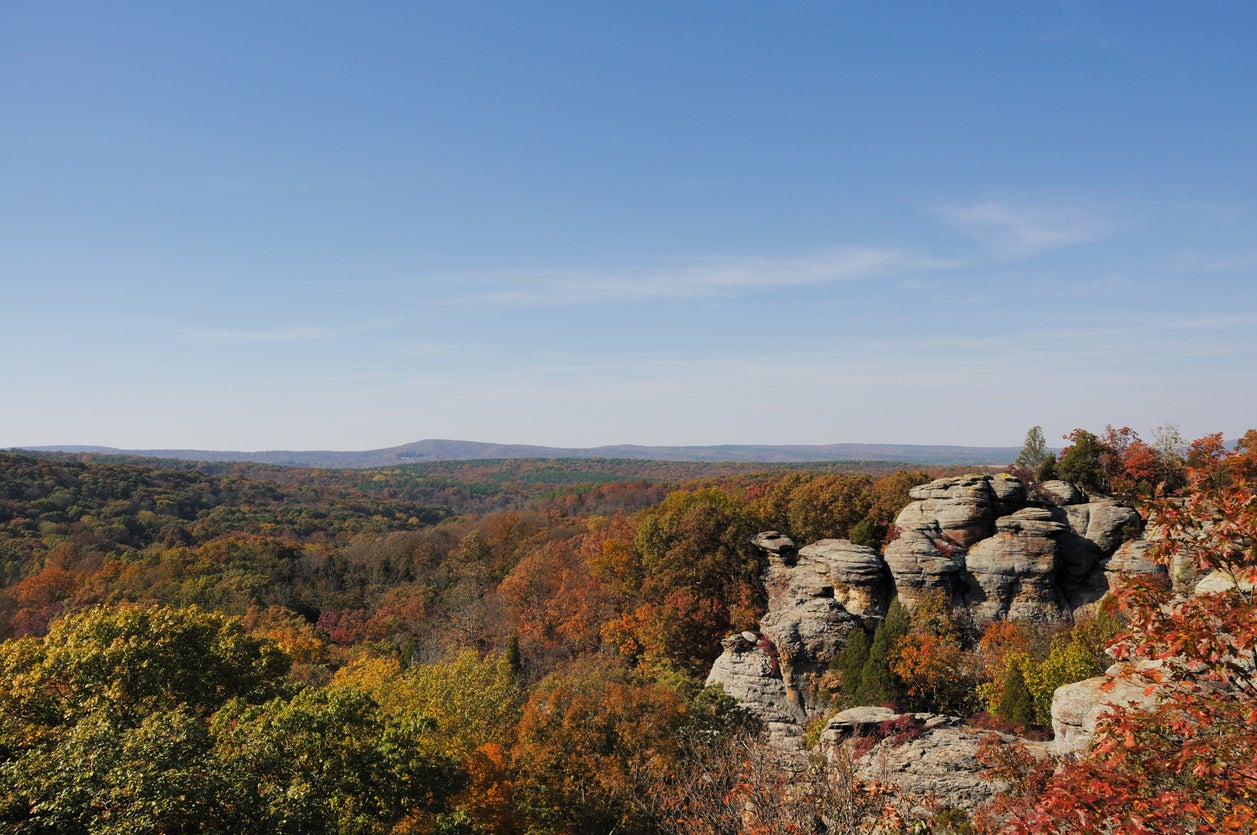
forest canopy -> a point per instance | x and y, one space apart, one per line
522 649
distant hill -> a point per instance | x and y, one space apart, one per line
445 450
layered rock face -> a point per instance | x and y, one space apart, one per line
995 548
1014 572
927 755
814 603
750 674
1002 553
816 596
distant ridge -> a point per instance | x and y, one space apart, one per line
446 450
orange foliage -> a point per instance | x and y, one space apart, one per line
40 598
586 731
1186 764
553 601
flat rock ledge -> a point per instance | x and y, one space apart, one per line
929 756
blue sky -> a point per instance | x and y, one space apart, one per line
347 226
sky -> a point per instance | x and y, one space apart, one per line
305 225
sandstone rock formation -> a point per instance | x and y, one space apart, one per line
1015 571
997 550
816 596
750 674
1002 552
1077 706
923 559
927 755
961 507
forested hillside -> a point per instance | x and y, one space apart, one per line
506 647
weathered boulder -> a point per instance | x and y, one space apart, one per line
1131 559
750 674
1077 706
962 507
1059 493
930 757
813 604
1220 581
1014 571
922 560
856 721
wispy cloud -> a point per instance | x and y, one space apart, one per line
286 334
1019 230
705 280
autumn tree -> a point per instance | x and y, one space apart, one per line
473 704
159 719
326 760
1011 651
555 603
828 506
938 675
587 733
1001 644
698 579
1188 758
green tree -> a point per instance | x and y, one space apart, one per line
1047 469
849 664
327 760
156 719
1082 462
1033 451
878 683
1068 661
1016 703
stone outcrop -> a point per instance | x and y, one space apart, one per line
929 756
1003 552
1045 555
816 596
1077 706
1015 571
999 551
854 575
750 674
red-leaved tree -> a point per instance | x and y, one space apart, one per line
1186 765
